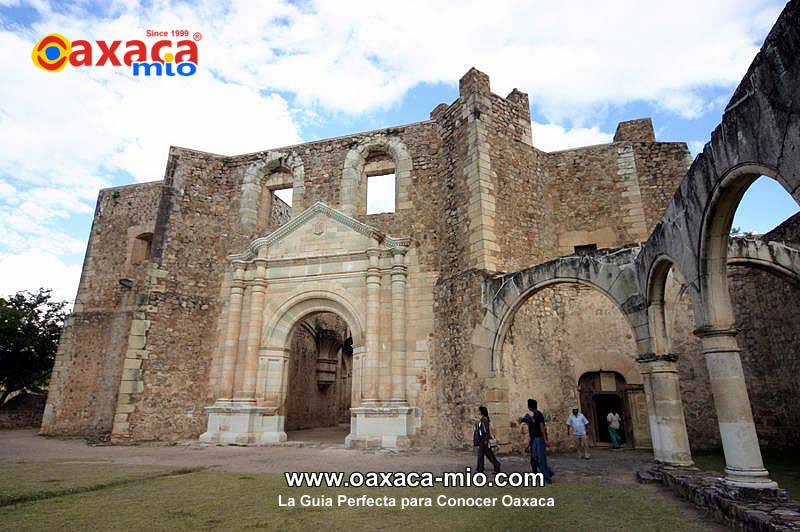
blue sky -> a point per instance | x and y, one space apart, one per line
274 73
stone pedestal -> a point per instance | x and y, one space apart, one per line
243 423
385 426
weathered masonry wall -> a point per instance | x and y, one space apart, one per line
612 194
769 340
179 275
197 227
766 307
86 376
558 335
202 219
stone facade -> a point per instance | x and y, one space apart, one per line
474 198
446 301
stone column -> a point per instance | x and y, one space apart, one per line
667 424
231 343
398 360
372 339
743 464
258 289
244 329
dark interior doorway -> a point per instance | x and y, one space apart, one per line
605 403
319 384
601 393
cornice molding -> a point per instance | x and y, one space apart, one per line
306 216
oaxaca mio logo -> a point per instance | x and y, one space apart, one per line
54 52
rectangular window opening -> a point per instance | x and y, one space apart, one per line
586 249
380 194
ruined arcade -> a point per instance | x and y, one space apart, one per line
602 276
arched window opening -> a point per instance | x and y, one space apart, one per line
764 206
379 171
763 305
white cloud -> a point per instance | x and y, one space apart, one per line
571 57
696 146
34 270
62 136
8 194
552 137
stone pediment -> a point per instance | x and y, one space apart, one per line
313 221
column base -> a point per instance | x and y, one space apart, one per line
674 462
748 478
381 426
243 423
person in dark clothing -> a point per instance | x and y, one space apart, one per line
537 431
484 434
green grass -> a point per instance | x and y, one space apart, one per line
207 500
783 466
26 481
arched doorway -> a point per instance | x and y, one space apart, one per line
557 334
603 392
319 379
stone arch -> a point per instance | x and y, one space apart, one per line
277 331
612 275
507 320
714 238
775 257
253 182
353 172
276 336
661 344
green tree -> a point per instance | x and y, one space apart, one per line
30 325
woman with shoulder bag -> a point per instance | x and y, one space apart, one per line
485 442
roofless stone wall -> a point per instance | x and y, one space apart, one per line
142 356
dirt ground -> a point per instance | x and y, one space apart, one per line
320 455
303 455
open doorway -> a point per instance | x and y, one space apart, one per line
603 392
319 380
604 404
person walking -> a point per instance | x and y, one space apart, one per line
577 422
537 431
483 433
613 429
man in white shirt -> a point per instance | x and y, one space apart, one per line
613 429
577 422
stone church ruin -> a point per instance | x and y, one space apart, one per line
601 276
